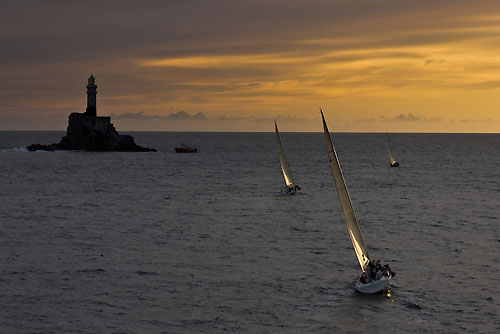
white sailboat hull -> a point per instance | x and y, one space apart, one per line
289 192
373 286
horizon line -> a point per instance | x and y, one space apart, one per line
354 132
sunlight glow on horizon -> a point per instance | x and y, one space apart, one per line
413 71
433 71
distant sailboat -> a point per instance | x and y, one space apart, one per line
380 282
292 188
393 161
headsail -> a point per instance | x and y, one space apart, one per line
284 164
345 201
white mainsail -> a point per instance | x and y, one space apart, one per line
284 164
345 201
391 157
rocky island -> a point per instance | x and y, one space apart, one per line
89 132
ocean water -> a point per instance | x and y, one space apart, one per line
205 243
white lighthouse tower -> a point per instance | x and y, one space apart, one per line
91 97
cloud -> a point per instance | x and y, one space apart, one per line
484 121
182 115
492 84
132 115
285 119
234 118
407 118
175 34
278 118
177 116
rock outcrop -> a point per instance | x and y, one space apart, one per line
89 132
92 133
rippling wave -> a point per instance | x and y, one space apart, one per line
204 243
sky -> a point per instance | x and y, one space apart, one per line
238 65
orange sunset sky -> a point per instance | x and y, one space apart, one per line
400 66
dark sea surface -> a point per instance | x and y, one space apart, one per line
205 243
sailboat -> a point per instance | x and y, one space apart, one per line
380 281
291 187
393 161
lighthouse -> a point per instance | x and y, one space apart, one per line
91 97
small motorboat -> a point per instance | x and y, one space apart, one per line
186 149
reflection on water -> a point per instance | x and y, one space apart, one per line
388 293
